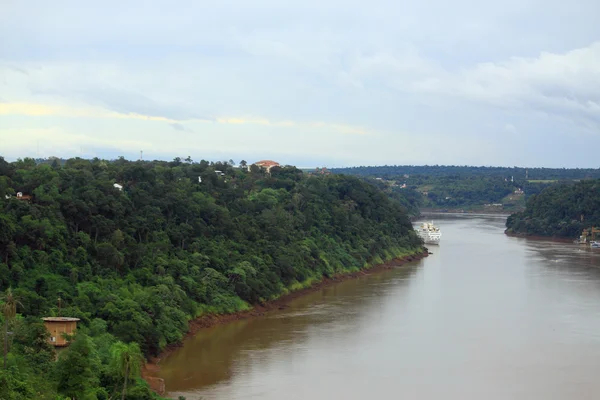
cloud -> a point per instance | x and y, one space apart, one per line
42 110
177 126
565 84
357 81
126 102
29 109
510 128
568 82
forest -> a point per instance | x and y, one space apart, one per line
559 211
389 171
136 249
458 187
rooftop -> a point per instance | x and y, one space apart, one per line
60 319
267 163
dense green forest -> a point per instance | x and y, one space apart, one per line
389 171
411 200
560 210
458 187
137 249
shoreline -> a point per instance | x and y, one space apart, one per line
538 237
455 214
151 366
481 211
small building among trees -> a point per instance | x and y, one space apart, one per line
59 328
266 164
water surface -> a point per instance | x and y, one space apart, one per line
485 317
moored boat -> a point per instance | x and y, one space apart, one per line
430 233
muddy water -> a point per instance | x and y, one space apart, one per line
485 317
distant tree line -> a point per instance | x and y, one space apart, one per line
463 186
521 173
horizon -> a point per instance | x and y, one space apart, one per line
308 83
237 163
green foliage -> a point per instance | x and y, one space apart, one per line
76 369
31 342
388 171
451 187
126 361
562 210
135 265
14 386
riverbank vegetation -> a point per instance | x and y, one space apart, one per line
136 250
563 210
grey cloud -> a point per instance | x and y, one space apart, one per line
177 127
18 69
130 102
427 68
123 101
180 127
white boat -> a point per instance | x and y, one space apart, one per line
430 233
595 245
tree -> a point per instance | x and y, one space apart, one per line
31 342
126 361
9 310
7 233
77 368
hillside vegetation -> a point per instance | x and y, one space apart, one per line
539 174
463 187
561 210
176 240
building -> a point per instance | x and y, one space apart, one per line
323 171
24 197
58 328
266 164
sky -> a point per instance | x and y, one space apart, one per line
307 83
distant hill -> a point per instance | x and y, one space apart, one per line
457 170
493 189
561 210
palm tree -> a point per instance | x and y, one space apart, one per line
126 360
9 310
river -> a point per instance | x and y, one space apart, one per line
485 316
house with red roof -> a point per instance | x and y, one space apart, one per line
266 164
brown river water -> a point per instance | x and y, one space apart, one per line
484 317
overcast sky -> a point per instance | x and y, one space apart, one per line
310 82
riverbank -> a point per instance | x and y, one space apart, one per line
475 210
151 368
426 213
538 237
